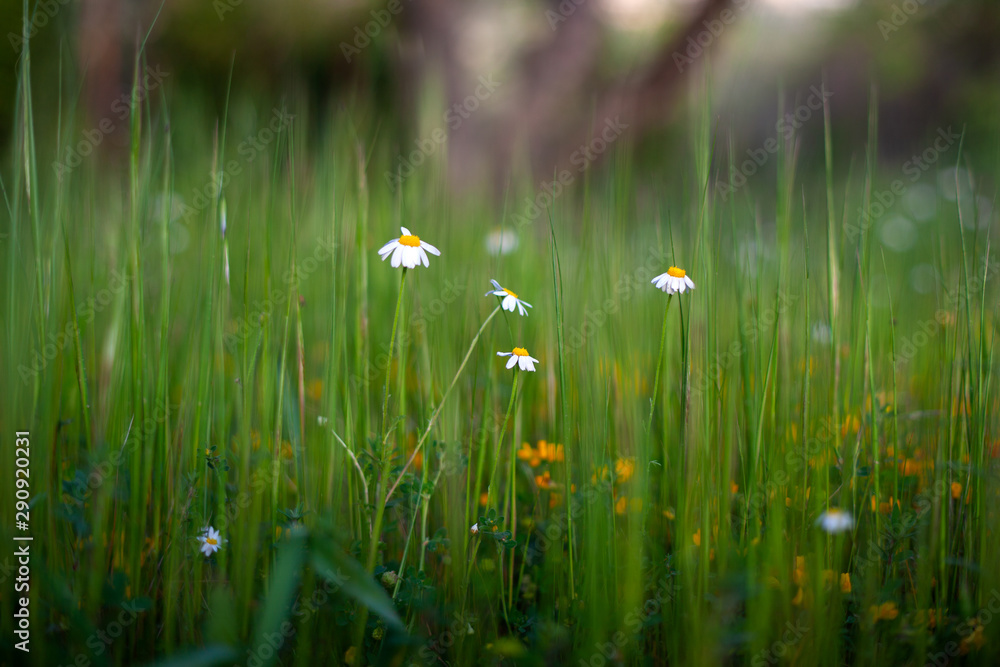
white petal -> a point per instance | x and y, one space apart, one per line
410 258
429 248
387 248
510 362
496 285
520 309
504 354
689 282
527 365
423 257
525 303
534 361
508 303
397 256
406 232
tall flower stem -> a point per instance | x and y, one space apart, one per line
386 455
659 365
503 431
437 411
392 343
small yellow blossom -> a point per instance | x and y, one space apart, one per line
886 611
624 469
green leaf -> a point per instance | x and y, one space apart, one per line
333 564
281 593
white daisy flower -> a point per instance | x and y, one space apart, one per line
520 357
510 300
407 250
501 241
210 540
835 520
673 281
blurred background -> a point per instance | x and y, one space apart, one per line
521 85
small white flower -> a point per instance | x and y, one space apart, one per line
210 540
501 241
407 250
835 520
520 357
474 529
510 300
673 281
822 333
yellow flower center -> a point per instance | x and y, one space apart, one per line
409 240
509 293
674 272
211 541
520 351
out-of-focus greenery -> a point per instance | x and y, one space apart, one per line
659 479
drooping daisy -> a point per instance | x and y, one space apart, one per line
673 281
520 357
835 520
510 300
407 250
210 540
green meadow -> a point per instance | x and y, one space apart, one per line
794 462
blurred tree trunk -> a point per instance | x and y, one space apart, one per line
556 100
99 51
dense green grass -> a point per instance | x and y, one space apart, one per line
173 378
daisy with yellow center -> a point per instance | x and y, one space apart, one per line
520 357
210 540
673 281
510 301
835 520
408 250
